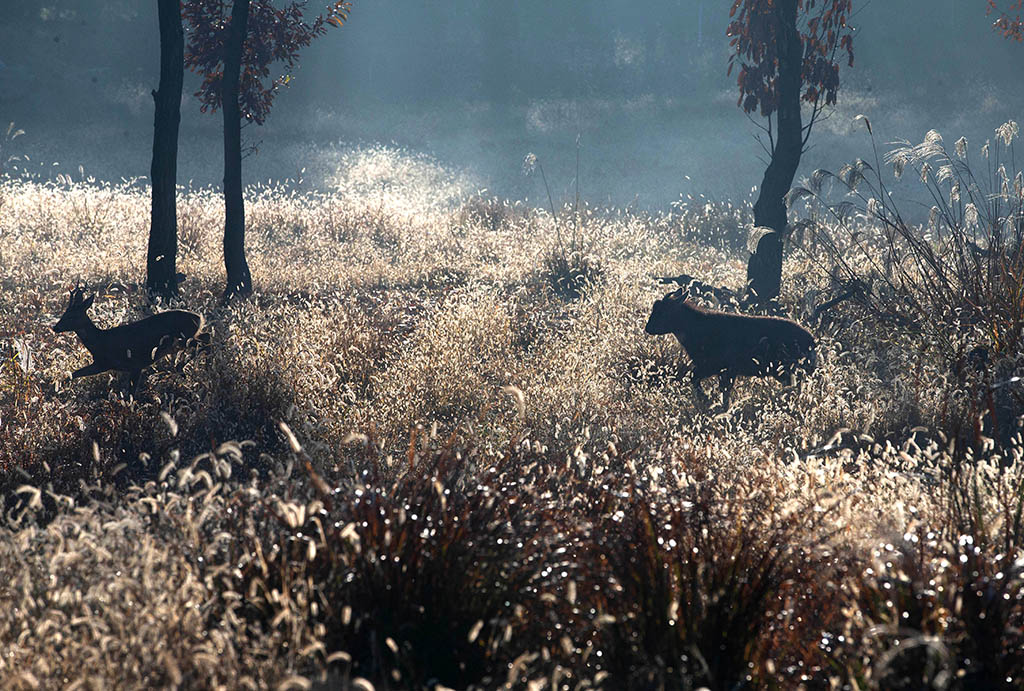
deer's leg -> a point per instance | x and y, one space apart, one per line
785 374
89 370
803 372
181 358
725 386
190 351
792 375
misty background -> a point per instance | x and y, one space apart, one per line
478 84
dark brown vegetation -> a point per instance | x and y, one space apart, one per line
728 345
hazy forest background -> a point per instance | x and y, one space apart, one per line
478 88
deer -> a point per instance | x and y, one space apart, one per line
728 345
129 347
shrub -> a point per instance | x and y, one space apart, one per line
569 273
712 223
133 589
943 606
955 282
706 575
453 572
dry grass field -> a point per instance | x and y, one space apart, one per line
427 453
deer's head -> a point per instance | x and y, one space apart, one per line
74 314
665 315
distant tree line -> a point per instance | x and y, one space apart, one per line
484 49
785 55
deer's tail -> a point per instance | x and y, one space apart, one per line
201 336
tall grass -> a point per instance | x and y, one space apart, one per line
482 482
959 278
955 281
941 606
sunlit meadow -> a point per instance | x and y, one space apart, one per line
436 449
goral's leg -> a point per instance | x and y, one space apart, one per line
89 370
134 377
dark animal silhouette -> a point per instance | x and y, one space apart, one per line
129 347
728 345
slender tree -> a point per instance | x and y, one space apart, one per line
239 279
161 257
233 52
787 53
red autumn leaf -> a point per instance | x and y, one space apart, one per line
824 32
275 35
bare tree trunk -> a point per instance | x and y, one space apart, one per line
239 280
161 275
764 270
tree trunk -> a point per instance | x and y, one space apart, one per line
161 275
764 270
239 280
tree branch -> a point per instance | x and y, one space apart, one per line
853 288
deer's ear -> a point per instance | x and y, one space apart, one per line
87 302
